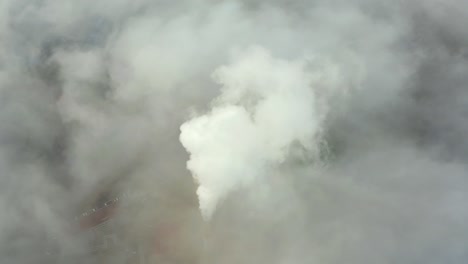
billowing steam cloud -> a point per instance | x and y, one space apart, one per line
268 107
317 131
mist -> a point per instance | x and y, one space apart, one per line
267 131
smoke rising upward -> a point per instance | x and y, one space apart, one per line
267 110
326 131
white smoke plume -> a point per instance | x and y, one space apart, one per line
323 131
268 107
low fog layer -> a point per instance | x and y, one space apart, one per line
314 131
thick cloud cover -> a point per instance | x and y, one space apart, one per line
317 131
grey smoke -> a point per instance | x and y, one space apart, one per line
92 91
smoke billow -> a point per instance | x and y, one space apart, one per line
267 108
303 131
